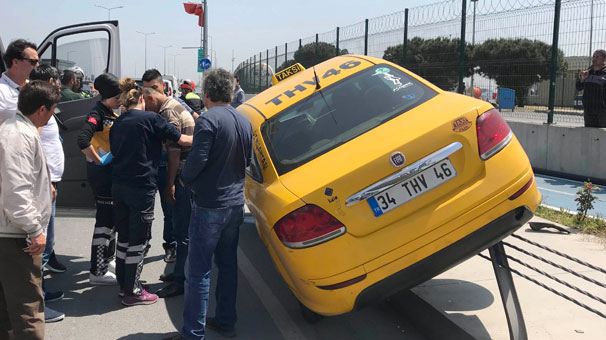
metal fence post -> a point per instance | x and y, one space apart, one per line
253 73
554 61
405 44
267 69
509 296
285 52
250 74
276 62
337 48
300 43
260 69
366 37
316 51
462 49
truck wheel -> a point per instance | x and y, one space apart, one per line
309 315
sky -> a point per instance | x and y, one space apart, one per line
237 26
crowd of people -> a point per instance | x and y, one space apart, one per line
137 141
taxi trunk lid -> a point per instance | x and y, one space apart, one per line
442 129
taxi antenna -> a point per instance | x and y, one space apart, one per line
316 76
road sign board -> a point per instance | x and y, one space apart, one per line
204 64
200 58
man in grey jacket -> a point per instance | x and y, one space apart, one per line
25 199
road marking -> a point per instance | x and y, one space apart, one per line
282 320
557 191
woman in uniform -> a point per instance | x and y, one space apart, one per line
136 142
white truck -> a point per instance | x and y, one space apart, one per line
94 47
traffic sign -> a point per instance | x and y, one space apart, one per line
204 64
200 57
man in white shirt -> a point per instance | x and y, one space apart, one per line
26 203
55 160
21 58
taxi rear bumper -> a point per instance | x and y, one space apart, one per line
442 260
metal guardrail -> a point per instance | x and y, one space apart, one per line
545 274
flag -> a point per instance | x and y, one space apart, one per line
195 9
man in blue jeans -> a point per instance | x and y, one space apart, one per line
214 171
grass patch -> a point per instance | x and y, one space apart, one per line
594 226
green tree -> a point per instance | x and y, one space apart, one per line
516 63
311 54
436 60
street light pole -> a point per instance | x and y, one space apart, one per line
175 63
165 47
109 10
146 34
473 39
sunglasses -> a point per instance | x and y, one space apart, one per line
34 62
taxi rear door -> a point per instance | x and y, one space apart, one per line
95 48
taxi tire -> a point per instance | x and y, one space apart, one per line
309 315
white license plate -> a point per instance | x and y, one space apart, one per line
414 186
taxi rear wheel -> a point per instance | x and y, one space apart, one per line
309 315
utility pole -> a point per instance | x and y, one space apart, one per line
205 34
165 47
109 10
146 34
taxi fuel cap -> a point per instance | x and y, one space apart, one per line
287 72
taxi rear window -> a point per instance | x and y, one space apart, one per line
339 113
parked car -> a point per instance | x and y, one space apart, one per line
367 179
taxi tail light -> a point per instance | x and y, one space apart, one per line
308 226
493 134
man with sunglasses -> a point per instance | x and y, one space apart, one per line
21 58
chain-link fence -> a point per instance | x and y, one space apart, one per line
507 45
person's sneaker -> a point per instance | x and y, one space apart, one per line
211 323
51 315
170 291
167 277
145 298
170 255
108 279
111 266
54 265
53 296
121 294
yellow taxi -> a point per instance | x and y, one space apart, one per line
367 179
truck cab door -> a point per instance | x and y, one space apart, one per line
2 66
95 48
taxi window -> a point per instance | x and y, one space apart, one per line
337 114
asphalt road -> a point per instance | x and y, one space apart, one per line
266 307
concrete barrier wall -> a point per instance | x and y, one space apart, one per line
573 152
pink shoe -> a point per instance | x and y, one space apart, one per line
144 299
